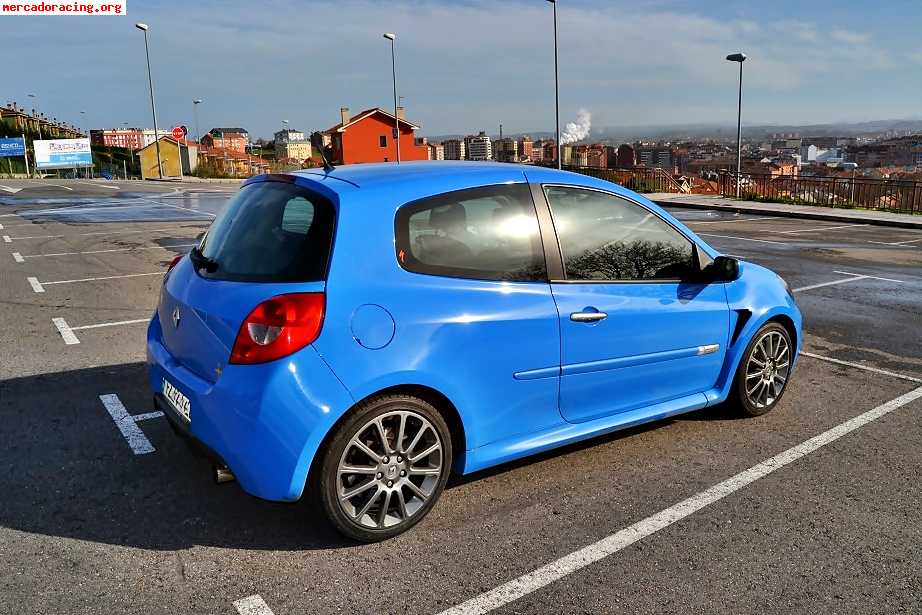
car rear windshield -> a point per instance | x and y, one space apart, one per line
271 231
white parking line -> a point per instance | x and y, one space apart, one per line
198 211
32 224
866 368
111 324
823 228
780 243
19 257
897 243
873 277
759 219
147 416
252 605
77 209
114 205
127 424
37 286
558 569
152 230
67 331
854 278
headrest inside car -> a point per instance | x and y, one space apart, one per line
448 217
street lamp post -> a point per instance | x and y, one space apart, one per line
392 38
195 104
739 57
153 109
35 107
556 90
83 125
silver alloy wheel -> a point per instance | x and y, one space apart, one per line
389 469
767 369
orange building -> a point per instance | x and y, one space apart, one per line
368 137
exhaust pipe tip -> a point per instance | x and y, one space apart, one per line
222 474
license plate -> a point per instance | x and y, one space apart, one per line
179 401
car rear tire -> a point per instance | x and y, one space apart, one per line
384 467
764 371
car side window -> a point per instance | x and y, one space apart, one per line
297 216
488 233
606 237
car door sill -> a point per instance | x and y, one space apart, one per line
522 445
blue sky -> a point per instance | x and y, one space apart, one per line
469 65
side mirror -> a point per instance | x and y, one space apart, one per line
724 269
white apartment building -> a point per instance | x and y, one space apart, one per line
479 147
289 135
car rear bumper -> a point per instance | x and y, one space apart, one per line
265 422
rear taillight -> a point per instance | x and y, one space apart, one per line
278 327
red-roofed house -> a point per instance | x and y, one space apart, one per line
234 139
368 137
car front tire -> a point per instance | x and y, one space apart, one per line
384 467
764 371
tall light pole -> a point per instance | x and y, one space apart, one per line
35 108
739 57
153 109
195 104
556 90
392 38
83 126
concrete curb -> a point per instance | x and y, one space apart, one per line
767 209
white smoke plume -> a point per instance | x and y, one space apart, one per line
578 130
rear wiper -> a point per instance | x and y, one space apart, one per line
203 262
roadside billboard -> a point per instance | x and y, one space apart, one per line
62 154
12 147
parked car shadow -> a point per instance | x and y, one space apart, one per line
69 472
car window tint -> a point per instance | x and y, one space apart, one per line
483 233
271 232
605 237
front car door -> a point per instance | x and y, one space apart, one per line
636 330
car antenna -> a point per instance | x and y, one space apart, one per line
317 142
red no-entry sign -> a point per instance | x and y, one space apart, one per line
178 133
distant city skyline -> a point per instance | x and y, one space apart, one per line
468 66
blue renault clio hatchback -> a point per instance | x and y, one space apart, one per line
359 333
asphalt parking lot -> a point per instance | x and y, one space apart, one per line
811 508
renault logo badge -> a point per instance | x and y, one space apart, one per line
176 317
